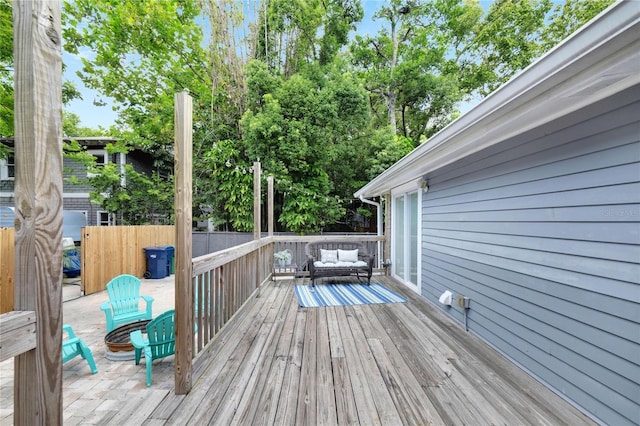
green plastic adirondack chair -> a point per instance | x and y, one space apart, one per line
74 346
124 297
160 341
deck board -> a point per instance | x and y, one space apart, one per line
400 363
325 399
288 400
346 411
268 403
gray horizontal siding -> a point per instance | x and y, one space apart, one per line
543 234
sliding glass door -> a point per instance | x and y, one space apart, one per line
406 237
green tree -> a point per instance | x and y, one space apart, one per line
321 129
568 16
507 41
145 52
71 126
299 131
291 34
6 72
69 91
432 55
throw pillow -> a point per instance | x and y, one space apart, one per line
348 255
328 256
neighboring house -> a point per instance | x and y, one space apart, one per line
529 205
76 197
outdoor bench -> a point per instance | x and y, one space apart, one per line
332 258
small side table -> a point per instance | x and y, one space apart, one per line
284 270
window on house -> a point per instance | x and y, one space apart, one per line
101 158
104 219
8 168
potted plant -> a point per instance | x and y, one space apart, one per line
283 257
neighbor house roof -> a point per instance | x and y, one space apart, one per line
599 60
99 141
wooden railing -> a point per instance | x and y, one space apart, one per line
17 333
224 281
373 243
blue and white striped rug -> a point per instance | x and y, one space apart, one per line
344 294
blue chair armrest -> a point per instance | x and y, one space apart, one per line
69 330
149 301
108 312
137 340
105 306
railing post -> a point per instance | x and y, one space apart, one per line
38 207
270 205
183 273
256 200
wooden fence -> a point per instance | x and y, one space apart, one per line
108 251
7 255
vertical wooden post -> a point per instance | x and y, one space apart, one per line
37 52
270 205
256 200
183 273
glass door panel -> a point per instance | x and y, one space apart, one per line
398 258
406 238
412 238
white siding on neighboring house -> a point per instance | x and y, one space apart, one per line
542 232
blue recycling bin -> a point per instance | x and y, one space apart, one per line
156 262
71 263
171 269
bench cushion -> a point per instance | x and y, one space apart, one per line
348 255
358 264
328 256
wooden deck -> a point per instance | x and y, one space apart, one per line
403 363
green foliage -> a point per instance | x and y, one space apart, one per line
507 41
432 55
304 132
568 16
340 19
145 52
229 189
297 33
321 120
384 154
142 200
6 71
71 127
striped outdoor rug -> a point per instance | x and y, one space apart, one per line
344 294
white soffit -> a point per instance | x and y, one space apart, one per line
601 59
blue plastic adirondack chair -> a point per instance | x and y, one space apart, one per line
74 346
160 341
124 297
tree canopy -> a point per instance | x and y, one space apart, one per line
291 84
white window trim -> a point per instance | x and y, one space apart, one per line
4 170
405 190
110 221
96 152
